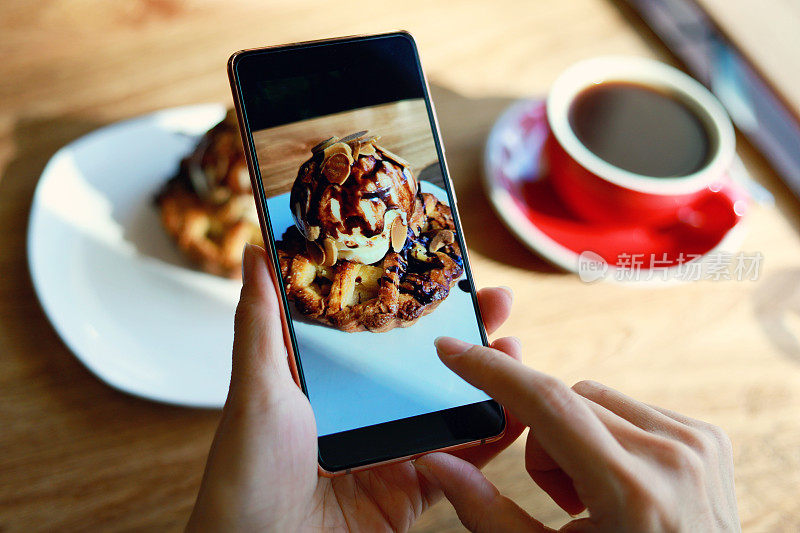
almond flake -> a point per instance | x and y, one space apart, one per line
366 148
337 168
315 252
337 148
331 253
354 136
399 234
355 147
393 157
324 144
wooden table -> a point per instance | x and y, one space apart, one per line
401 127
79 455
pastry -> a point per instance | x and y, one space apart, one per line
208 208
368 251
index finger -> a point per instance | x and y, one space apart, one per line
565 427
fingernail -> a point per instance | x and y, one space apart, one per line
447 346
508 291
247 261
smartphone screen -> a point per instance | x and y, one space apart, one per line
362 219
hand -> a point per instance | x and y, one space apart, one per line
633 466
262 468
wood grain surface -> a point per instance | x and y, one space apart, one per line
77 455
402 126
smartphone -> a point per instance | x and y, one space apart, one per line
360 221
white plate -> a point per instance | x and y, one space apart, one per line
110 280
141 319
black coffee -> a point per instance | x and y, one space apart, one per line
640 129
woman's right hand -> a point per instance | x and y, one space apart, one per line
633 466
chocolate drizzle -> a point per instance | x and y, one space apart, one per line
383 183
422 290
415 278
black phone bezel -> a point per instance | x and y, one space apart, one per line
341 452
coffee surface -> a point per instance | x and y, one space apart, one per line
640 129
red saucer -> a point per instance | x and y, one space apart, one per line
521 193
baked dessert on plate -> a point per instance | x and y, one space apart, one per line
368 250
208 207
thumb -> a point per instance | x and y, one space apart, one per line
478 503
259 352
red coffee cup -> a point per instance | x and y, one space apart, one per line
599 191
